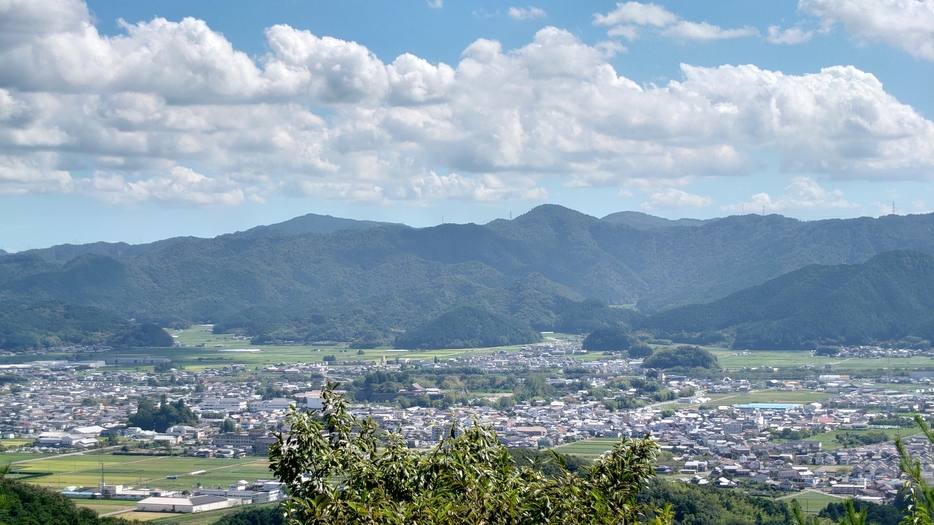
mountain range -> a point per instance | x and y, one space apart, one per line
318 277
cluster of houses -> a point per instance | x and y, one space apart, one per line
63 404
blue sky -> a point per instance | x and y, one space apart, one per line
136 121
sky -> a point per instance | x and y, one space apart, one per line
141 120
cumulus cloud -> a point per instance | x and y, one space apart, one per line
525 13
908 24
170 112
636 13
675 199
664 194
804 193
705 31
32 173
626 17
178 187
790 36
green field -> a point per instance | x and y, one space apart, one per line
811 501
161 518
15 443
829 442
588 449
85 470
196 358
738 359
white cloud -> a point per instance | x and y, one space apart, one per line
908 24
636 13
790 36
32 173
664 194
435 4
628 32
326 116
705 31
179 187
675 199
804 193
626 17
526 13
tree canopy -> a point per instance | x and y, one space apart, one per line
608 339
342 470
27 504
148 417
682 356
467 327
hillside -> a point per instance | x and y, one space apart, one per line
889 297
310 223
644 221
368 282
54 323
467 327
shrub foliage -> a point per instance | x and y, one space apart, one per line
342 470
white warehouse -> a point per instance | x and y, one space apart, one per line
185 505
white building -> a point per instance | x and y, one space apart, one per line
313 400
279 403
223 404
186 505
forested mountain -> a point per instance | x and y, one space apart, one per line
55 323
468 327
365 284
310 223
889 297
644 221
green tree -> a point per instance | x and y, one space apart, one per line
342 470
608 338
228 425
168 414
920 492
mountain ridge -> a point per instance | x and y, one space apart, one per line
370 282
889 297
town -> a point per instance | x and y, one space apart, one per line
840 446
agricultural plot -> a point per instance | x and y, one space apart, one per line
161 518
588 449
106 506
773 396
152 471
812 501
736 360
829 442
15 443
219 350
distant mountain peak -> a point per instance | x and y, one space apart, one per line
311 223
552 209
644 221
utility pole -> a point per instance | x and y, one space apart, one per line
102 473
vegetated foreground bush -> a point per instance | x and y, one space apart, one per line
342 470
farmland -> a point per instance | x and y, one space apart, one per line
147 471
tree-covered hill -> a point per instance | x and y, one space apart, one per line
310 223
48 324
889 297
365 282
467 327
27 504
